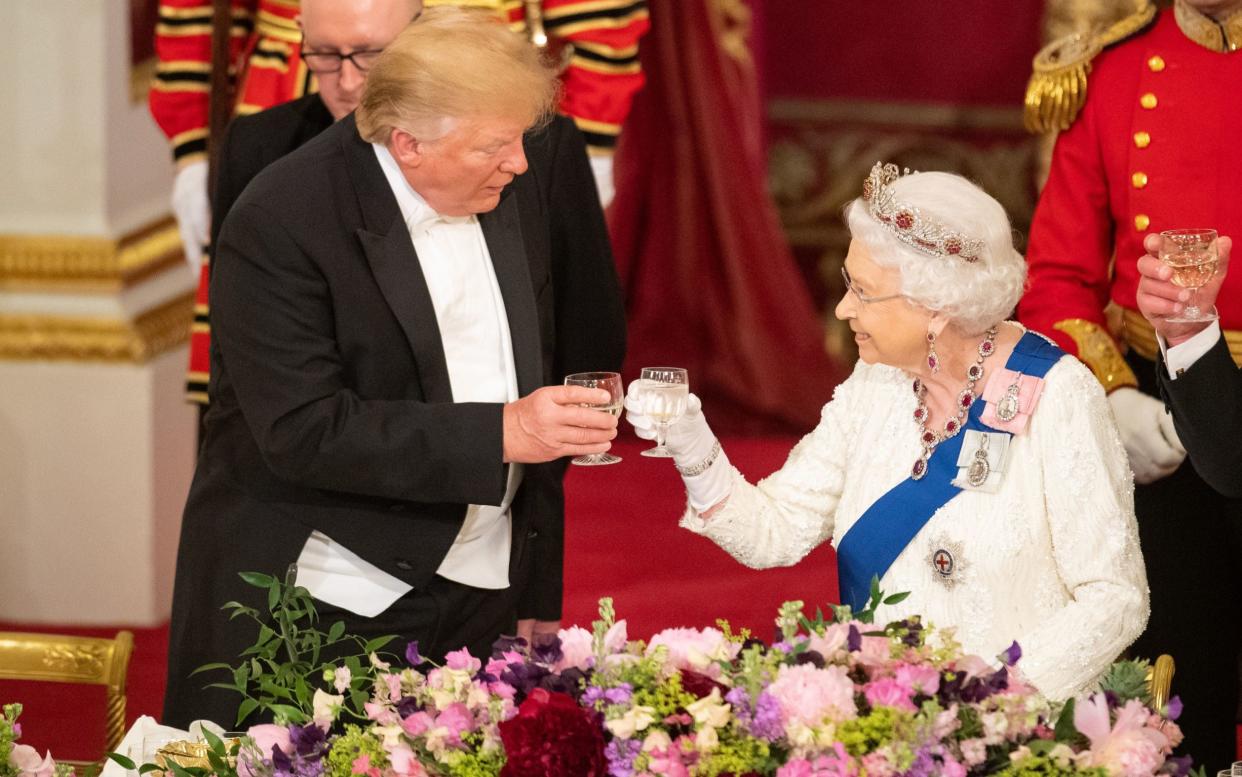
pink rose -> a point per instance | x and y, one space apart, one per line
1128 747
887 692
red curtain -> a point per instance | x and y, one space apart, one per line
711 284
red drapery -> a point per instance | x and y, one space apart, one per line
711 284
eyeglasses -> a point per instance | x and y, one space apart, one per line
333 61
863 298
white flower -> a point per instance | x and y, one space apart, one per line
710 711
636 719
326 707
657 740
341 678
705 740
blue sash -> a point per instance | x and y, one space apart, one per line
875 541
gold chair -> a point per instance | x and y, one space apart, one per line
1160 680
66 659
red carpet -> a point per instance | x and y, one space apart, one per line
622 540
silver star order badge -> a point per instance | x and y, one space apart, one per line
946 561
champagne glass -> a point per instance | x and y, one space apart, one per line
610 382
1191 253
662 394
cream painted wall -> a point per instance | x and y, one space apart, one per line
76 156
91 489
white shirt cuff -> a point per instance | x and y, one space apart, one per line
1181 357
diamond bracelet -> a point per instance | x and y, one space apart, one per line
701 467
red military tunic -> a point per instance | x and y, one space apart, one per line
264 41
1155 147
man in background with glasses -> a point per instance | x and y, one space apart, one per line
340 41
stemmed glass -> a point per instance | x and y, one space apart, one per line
610 382
662 394
1191 253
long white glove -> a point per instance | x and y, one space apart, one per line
1148 434
193 211
692 443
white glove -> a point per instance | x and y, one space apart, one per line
601 166
193 211
1148 434
691 442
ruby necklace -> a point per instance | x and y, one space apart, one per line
929 438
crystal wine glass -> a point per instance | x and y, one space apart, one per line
610 382
1191 253
662 394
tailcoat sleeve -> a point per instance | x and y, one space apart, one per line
1206 401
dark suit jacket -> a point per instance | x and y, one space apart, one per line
332 408
1206 401
255 141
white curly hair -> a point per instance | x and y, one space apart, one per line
974 295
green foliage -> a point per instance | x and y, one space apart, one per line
278 674
737 756
1128 680
667 697
863 735
8 735
842 613
351 745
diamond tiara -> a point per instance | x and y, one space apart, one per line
908 223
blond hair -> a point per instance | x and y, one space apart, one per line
454 63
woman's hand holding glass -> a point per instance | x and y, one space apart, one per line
691 442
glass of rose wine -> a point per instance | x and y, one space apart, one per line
610 382
1191 254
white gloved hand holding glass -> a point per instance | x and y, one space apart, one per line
1148 434
193 210
703 466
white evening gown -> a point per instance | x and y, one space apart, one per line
1051 559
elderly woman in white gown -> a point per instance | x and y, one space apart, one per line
966 460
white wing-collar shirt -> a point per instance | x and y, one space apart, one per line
474 329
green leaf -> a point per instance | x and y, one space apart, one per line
125 763
897 598
1064 731
257 579
209 667
245 708
336 630
273 597
378 643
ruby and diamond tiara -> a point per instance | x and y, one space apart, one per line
908 223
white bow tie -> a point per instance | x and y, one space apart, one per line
426 218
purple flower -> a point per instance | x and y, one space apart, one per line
854 642
412 656
1177 766
407 706
1011 654
768 722
1174 708
621 754
547 649
624 692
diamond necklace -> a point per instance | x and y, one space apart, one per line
965 398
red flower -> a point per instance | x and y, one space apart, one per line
552 736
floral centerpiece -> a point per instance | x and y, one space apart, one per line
18 760
836 697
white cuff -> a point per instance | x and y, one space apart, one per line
1182 357
712 486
